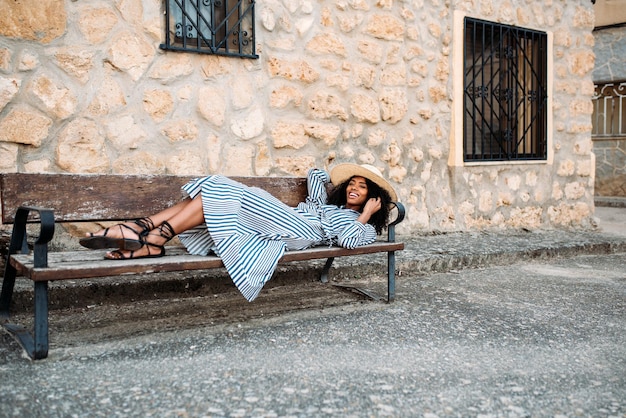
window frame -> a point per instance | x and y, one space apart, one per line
457 137
230 23
504 81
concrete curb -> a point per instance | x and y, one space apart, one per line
612 202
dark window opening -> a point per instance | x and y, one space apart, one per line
218 27
505 93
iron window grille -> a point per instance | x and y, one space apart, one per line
609 111
505 92
217 27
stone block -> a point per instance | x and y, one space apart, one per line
386 27
8 89
81 148
23 125
158 103
42 21
180 130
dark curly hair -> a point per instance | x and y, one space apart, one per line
378 220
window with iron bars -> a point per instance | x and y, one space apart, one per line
505 92
609 111
217 27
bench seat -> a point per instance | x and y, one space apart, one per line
81 264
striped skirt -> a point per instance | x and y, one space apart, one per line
248 228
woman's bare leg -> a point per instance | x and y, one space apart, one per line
169 213
156 219
187 215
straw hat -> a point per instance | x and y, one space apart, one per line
343 172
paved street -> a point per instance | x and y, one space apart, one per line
541 337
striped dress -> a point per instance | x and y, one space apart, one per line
249 229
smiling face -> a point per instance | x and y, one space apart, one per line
356 193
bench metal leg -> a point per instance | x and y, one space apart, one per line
391 279
8 283
35 344
326 270
391 276
40 349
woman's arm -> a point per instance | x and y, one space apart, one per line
372 206
356 234
316 185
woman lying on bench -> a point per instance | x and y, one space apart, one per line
249 229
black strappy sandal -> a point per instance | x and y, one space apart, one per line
165 230
145 224
99 242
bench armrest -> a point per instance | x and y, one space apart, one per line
401 213
46 232
391 227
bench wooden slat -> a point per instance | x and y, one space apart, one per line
92 197
91 264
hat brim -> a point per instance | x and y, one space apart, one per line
345 171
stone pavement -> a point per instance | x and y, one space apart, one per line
490 325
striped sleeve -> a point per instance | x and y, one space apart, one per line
356 234
316 185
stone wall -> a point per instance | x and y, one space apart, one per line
84 88
610 51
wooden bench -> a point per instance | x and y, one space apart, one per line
46 199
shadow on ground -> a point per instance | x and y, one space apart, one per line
105 312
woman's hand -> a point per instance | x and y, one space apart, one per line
372 205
